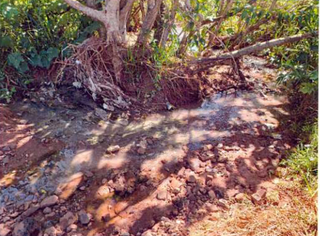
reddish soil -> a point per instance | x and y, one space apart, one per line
19 146
154 176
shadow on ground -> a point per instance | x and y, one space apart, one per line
157 175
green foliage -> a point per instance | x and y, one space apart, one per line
304 160
33 33
300 61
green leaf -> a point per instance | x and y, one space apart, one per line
45 62
308 88
52 53
35 60
24 67
10 12
5 41
92 27
15 59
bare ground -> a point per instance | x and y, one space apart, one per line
210 170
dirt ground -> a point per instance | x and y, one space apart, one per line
68 169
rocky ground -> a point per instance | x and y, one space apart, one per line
71 170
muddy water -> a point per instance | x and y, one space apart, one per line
87 138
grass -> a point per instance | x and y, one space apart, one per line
291 206
288 211
303 161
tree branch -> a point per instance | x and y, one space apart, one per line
94 14
255 48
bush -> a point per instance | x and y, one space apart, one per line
33 34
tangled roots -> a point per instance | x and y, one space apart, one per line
90 67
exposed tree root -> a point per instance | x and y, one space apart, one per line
91 67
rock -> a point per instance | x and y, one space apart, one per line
212 194
207 156
141 151
259 196
125 234
51 231
211 207
82 188
31 210
102 114
14 214
49 201
5 160
5 219
147 233
68 219
50 215
143 144
87 173
103 191
123 122
4 230
27 227
108 107
192 179
220 145
2 209
113 149
175 186
71 185
47 210
162 195
240 197
72 227
195 164
208 147
223 203
84 217
203 190
120 207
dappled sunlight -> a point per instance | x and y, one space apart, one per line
8 179
81 159
129 176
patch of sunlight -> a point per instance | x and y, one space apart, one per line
110 162
8 179
93 140
84 157
21 139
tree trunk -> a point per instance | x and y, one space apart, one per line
166 31
159 25
124 14
152 12
114 22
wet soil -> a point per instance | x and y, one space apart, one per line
140 176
